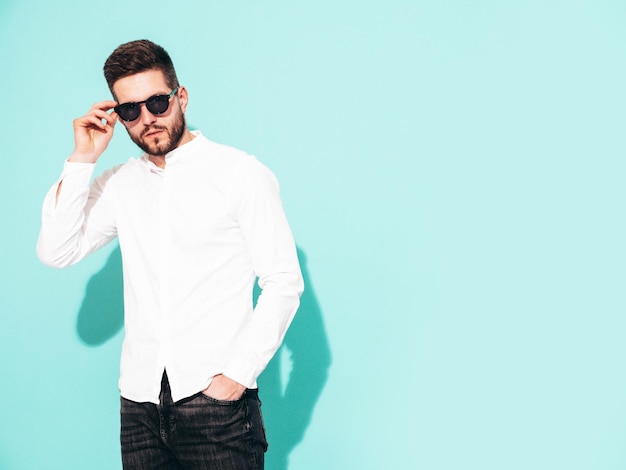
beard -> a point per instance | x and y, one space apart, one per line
161 146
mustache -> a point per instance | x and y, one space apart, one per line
147 130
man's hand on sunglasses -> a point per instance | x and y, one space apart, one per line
93 132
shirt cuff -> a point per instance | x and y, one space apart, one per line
243 368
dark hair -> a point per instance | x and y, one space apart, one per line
138 56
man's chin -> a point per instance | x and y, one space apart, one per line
155 149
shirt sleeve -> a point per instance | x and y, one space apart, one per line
261 217
76 221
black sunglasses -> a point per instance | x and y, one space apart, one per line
156 104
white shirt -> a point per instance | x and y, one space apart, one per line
193 236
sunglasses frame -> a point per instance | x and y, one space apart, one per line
146 102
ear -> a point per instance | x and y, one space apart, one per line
183 97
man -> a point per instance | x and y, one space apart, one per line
197 223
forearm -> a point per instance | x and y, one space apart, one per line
264 334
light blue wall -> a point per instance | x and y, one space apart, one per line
453 173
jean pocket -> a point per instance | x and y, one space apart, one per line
217 401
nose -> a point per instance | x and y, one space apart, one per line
145 116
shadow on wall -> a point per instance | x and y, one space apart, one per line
101 314
288 407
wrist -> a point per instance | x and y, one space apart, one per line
78 157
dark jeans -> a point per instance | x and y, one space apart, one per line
195 433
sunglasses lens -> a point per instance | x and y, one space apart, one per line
128 111
158 104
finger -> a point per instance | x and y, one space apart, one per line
99 118
104 105
91 122
108 119
88 121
